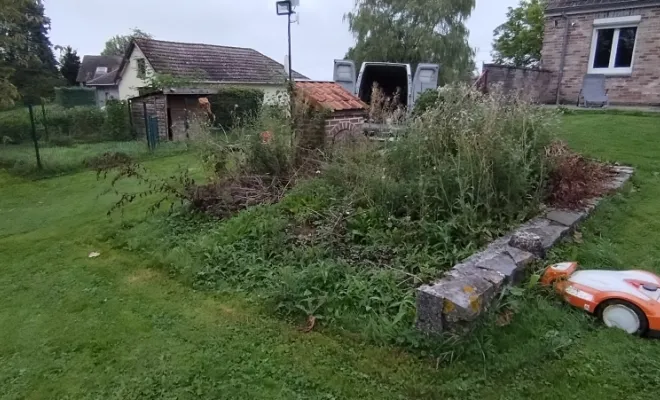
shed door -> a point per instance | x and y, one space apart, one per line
345 74
426 77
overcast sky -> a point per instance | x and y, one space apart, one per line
319 38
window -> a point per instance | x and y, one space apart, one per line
101 71
141 68
613 45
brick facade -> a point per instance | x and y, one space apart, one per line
642 87
531 82
340 123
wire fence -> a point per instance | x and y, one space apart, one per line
49 139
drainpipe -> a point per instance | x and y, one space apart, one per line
562 61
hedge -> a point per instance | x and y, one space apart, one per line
75 96
80 124
233 105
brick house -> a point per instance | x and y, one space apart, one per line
617 38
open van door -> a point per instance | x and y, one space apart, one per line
345 74
426 77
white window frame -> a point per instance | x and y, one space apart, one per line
617 24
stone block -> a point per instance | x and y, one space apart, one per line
623 169
464 270
466 295
521 257
617 181
429 310
505 265
549 232
566 217
528 242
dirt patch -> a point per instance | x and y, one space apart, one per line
575 179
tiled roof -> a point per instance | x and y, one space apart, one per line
570 5
330 95
90 63
108 79
212 63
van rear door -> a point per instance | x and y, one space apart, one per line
345 74
426 77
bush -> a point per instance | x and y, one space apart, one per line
82 124
475 155
15 125
233 106
117 123
75 97
426 100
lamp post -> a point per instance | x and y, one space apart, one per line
286 8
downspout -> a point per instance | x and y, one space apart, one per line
562 61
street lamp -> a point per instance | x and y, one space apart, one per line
286 8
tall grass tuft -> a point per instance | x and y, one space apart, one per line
474 157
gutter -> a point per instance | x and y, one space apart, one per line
562 62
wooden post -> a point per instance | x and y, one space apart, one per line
146 123
34 137
130 117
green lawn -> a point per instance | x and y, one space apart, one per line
118 327
21 159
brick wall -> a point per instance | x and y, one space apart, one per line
642 87
533 83
340 122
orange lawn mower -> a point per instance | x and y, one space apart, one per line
629 300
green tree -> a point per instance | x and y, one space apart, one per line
28 65
69 65
117 45
519 40
413 31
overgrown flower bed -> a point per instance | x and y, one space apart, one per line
349 245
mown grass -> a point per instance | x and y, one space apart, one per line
119 327
56 160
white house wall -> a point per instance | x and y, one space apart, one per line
130 82
273 94
105 93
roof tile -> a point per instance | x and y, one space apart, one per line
91 63
212 63
330 95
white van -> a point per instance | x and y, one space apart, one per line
389 77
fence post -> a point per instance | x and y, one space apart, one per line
34 137
146 123
45 123
130 117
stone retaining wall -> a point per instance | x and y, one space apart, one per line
460 297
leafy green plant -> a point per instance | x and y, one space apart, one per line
117 123
426 100
233 106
